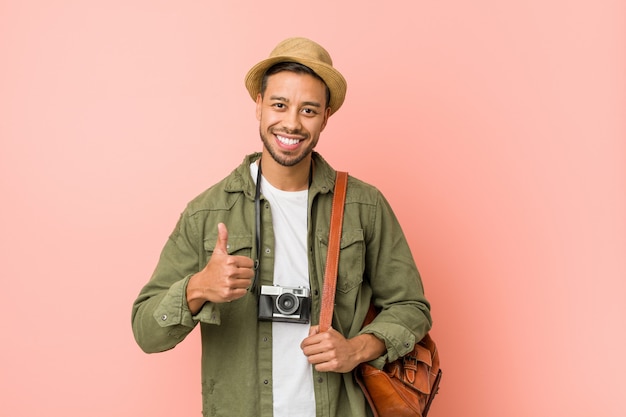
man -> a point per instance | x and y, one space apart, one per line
238 251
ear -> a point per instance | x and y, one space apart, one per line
326 116
259 106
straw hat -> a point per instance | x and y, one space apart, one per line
305 52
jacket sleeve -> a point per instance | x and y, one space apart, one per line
397 289
160 316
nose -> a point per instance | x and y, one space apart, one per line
291 122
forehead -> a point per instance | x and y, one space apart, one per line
291 83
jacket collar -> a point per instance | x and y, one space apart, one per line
242 181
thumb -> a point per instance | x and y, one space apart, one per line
222 240
314 330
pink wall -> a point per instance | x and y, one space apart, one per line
496 129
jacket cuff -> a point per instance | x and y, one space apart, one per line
398 340
209 314
173 309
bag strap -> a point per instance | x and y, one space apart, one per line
332 256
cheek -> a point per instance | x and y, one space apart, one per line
315 127
266 120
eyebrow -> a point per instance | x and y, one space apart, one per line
286 100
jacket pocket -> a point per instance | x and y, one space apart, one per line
238 244
351 259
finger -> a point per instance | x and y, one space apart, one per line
222 240
240 283
235 294
243 262
311 340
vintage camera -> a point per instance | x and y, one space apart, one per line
286 304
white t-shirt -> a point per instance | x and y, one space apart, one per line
291 372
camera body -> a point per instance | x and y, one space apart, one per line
287 304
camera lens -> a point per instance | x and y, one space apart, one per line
287 303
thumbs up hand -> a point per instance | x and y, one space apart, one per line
225 277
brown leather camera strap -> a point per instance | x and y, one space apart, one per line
332 256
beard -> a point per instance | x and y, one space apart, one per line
286 158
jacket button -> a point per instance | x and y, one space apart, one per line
164 317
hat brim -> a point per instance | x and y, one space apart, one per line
333 79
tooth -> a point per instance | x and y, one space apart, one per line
287 141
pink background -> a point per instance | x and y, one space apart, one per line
496 129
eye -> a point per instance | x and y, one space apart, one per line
309 111
278 105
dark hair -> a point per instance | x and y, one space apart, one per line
292 67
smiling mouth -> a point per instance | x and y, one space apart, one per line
287 141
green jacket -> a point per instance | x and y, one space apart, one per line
375 264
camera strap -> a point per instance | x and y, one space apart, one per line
257 232
332 256
257 226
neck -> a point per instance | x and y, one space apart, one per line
292 178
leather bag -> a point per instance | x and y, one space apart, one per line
405 387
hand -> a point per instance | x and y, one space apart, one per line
331 352
225 277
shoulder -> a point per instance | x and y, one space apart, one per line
358 190
224 194
362 192
365 196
